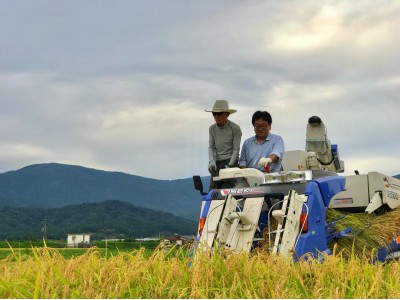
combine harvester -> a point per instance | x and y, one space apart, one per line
291 206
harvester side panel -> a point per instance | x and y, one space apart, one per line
356 193
314 240
372 190
388 186
330 186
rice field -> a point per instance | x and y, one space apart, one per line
165 274
123 270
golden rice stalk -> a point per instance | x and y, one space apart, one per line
369 231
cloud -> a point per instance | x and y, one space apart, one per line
123 85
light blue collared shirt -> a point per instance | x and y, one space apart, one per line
253 151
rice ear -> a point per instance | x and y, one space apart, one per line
369 231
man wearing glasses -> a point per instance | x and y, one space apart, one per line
224 143
265 150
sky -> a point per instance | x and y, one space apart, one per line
123 85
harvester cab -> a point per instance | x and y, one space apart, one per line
285 212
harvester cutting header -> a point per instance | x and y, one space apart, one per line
287 210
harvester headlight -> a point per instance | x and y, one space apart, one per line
202 222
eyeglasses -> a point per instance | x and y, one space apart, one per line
261 126
217 113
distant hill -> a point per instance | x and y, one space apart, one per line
55 185
108 219
397 176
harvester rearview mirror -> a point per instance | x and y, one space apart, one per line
198 184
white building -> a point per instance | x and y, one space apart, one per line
75 240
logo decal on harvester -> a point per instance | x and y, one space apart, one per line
341 201
238 191
225 192
392 195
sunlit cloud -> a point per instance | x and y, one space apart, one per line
129 95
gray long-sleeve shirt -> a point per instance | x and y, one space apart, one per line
224 142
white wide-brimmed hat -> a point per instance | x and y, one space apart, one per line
221 106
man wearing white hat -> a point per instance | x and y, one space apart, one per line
224 142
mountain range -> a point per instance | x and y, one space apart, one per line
55 185
66 198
